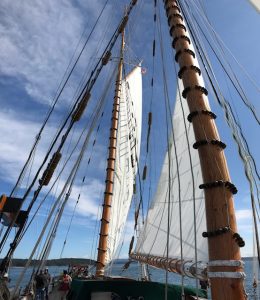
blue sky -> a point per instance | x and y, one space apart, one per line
38 39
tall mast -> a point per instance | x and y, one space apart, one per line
104 229
225 270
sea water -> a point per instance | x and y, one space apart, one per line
134 272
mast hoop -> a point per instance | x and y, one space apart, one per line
187 50
232 275
187 68
99 262
172 6
104 220
184 37
103 250
230 186
238 239
202 112
188 89
212 142
226 263
217 232
176 26
174 15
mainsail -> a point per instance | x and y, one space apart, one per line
128 148
177 193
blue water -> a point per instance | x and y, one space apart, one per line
134 272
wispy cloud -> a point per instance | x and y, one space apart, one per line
245 229
91 195
38 39
243 214
17 137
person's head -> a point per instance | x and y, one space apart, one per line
46 270
6 277
65 272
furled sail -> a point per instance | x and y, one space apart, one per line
128 148
186 202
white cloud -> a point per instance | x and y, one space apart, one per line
17 137
38 39
244 221
245 229
243 214
91 195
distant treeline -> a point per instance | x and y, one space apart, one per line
17 262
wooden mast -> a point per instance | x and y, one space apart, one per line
225 271
104 229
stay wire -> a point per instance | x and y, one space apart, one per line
244 153
221 42
197 43
228 110
247 171
106 89
238 88
83 180
192 177
70 179
38 137
144 234
231 112
88 86
169 147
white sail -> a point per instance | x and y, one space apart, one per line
256 4
128 148
153 238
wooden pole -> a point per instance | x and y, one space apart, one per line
225 271
104 229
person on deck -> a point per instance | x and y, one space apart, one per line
47 281
64 285
6 277
204 284
39 280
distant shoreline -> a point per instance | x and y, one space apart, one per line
20 262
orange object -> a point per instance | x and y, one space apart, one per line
3 200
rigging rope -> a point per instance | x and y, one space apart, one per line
61 87
192 177
241 141
70 181
238 88
229 114
170 133
74 113
222 44
93 117
244 151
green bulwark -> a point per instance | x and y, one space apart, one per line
128 290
